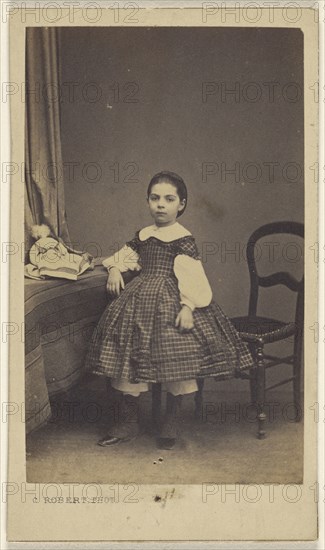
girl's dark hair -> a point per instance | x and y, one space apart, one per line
173 179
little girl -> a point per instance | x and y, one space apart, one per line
163 326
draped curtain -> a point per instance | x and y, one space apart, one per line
44 183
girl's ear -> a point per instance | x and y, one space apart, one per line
181 205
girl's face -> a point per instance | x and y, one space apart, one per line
164 203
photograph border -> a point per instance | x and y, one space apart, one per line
181 515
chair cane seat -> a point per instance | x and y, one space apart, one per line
263 329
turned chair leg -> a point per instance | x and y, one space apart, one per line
253 385
199 398
252 380
261 416
297 364
156 405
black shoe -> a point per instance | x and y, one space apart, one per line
109 440
127 426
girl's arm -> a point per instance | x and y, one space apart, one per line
194 287
115 281
123 260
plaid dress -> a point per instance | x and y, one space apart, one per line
136 338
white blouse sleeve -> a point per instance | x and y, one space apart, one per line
124 259
194 287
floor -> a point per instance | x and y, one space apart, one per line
220 446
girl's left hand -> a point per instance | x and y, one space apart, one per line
184 320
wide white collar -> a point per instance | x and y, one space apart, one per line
167 234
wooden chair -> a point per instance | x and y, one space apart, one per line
258 331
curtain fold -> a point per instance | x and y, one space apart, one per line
44 182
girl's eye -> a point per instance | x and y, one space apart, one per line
153 198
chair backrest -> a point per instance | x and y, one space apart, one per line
277 278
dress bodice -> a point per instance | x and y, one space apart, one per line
177 259
156 258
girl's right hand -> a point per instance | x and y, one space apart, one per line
114 282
